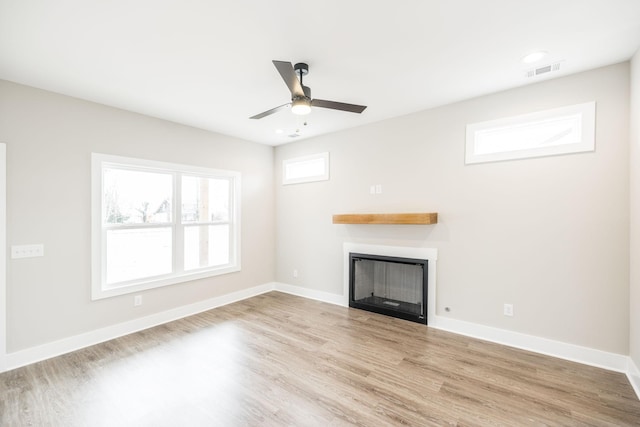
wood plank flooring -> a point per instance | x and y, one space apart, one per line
280 360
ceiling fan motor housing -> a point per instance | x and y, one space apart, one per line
301 67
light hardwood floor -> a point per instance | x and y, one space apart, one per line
278 360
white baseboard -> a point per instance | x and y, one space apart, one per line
584 355
67 345
633 373
311 294
575 353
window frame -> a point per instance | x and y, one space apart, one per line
304 159
207 223
585 111
99 287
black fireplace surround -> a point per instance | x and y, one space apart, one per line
391 286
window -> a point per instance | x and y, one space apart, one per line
306 169
559 131
156 224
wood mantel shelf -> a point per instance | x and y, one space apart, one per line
390 218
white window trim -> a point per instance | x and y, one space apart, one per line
98 288
586 111
313 178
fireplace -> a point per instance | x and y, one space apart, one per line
388 285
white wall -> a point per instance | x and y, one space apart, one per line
49 140
549 235
634 332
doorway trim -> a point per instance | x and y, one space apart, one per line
3 257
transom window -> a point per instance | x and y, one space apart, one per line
310 168
564 130
156 224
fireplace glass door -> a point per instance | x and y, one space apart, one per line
389 285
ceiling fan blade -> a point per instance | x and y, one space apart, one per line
270 112
352 108
289 76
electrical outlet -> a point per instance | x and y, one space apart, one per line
295 273
378 188
508 309
372 189
137 300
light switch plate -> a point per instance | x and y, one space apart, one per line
27 251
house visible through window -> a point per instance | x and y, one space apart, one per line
156 224
205 215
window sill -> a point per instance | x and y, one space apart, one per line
100 292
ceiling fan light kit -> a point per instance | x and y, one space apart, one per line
301 101
301 106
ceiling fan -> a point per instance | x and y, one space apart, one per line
301 101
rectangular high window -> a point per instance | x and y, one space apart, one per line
563 130
156 224
310 168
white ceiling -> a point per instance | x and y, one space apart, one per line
207 63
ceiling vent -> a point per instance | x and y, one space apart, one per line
545 69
